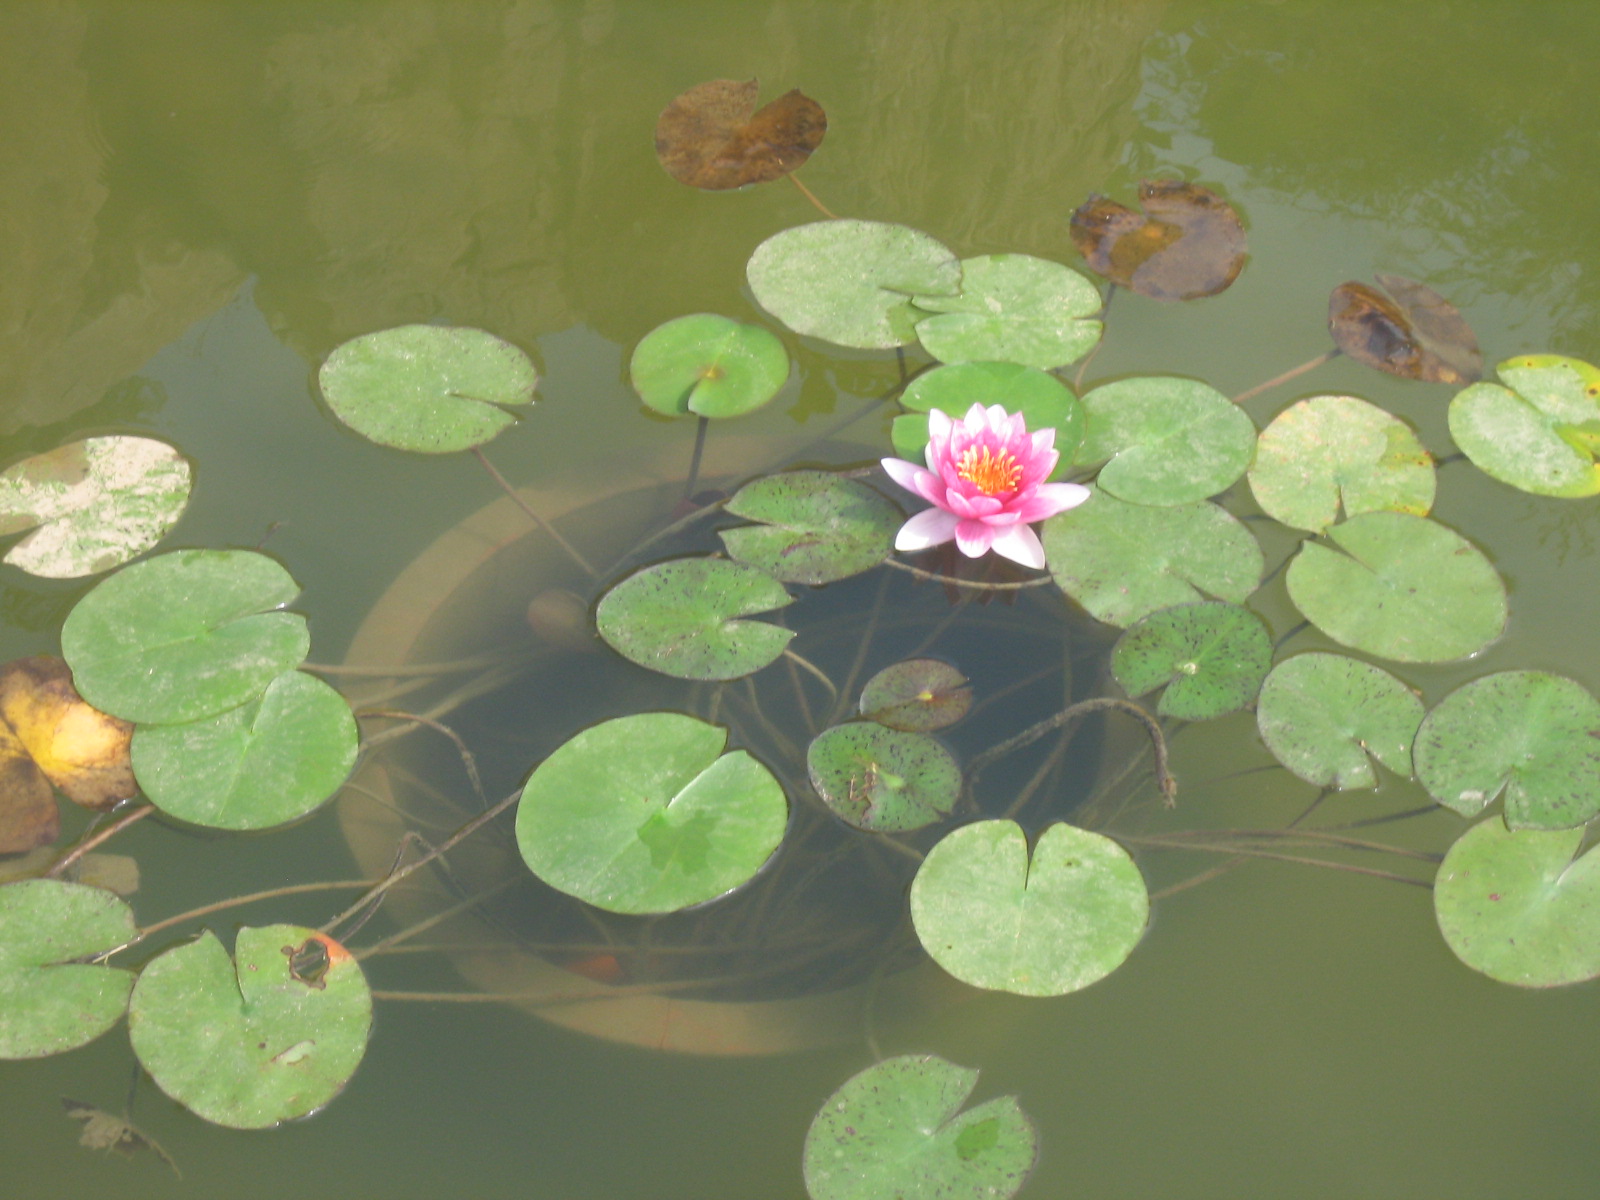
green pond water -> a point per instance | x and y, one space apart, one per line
199 201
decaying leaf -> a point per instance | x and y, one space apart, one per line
1412 332
50 736
107 1131
1188 242
712 137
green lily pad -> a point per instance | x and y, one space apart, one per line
92 505
916 695
1165 440
1533 735
677 617
1326 717
272 759
1404 588
1040 925
1211 657
816 526
1518 907
184 635
428 388
1330 452
1013 308
50 1003
1538 433
850 282
708 366
883 779
1042 399
646 814
251 1043
1122 561
897 1129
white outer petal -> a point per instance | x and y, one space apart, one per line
930 527
1020 544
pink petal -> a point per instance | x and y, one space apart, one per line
973 538
930 527
1019 543
964 504
1050 498
902 472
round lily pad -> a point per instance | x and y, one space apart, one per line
1518 907
677 617
883 779
48 1001
917 695
646 814
1533 735
1333 452
92 505
272 759
708 366
249 1043
1327 716
850 282
1122 561
428 388
184 635
1538 433
897 1129
1210 656
1403 587
1165 440
1042 399
1013 308
1043 924
816 526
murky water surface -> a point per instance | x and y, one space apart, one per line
201 200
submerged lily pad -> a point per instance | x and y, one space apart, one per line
50 1003
1165 440
1211 657
646 814
1404 588
1043 924
817 526
917 695
1042 399
883 779
427 388
271 760
1122 561
712 137
678 617
184 635
1327 716
1518 907
1538 433
1338 452
253 1042
92 505
1412 332
1188 242
1533 735
897 1129
850 282
708 366
1013 308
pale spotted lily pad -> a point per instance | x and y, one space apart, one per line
92 505
1013 308
1327 716
1165 440
1210 657
816 526
1540 431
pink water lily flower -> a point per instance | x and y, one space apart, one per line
986 481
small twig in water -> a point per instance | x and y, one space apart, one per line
811 196
1287 376
99 837
516 498
1158 741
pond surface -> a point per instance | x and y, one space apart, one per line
202 200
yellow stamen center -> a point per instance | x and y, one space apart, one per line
991 473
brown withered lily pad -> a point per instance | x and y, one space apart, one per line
1412 332
50 736
712 137
1188 242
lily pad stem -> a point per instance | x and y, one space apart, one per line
99 837
1083 366
1074 712
811 196
205 910
572 551
1287 375
1160 843
977 584
694 458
